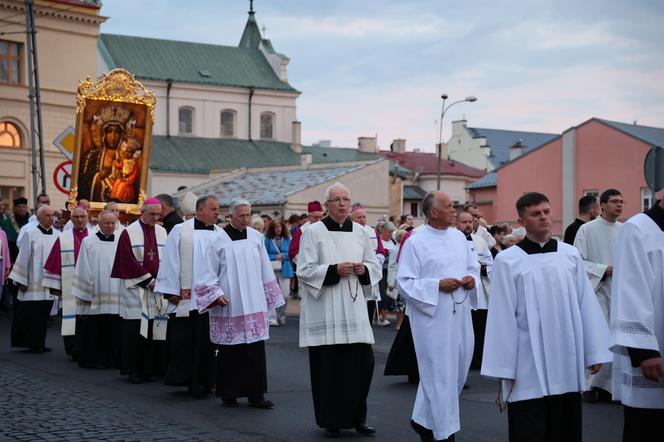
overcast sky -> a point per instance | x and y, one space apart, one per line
368 67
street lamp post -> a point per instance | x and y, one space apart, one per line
444 109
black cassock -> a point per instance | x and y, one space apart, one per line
402 360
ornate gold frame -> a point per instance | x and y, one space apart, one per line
117 86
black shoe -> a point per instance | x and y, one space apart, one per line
231 403
365 429
39 350
198 392
261 403
466 386
426 435
135 378
332 433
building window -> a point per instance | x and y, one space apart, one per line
267 125
185 121
9 135
646 199
10 62
414 210
227 123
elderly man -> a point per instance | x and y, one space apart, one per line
240 329
144 320
59 272
34 301
315 214
85 205
437 274
182 270
337 268
114 208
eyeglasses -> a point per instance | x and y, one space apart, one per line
339 200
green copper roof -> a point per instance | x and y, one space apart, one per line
251 37
200 155
183 62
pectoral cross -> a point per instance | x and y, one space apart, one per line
150 255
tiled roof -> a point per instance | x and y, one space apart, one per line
200 155
267 188
413 192
186 62
427 164
488 180
501 141
647 134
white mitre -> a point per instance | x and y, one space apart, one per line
188 204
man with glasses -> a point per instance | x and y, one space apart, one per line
337 266
479 230
595 241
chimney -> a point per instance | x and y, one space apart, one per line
516 150
399 145
444 152
305 160
367 144
296 144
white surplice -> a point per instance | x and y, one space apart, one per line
637 309
92 278
30 225
483 252
373 238
335 314
440 322
545 325
595 241
28 269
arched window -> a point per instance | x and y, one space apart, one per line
9 135
267 125
227 123
185 120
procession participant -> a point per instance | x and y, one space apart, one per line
58 277
588 211
143 348
5 267
33 222
595 241
437 272
98 296
315 214
85 205
277 242
637 323
182 268
481 251
188 206
12 226
169 216
34 301
114 208
337 267
545 327
479 229
241 328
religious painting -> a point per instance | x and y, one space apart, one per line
113 141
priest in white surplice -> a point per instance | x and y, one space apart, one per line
185 255
637 324
595 241
337 266
438 274
545 327
97 295
241 328
34 301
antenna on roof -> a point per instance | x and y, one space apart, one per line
251 7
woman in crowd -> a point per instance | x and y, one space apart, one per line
277 242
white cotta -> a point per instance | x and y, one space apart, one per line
440 322
92 278
637 309
483 253
28 269
335 314
544 326
63 282
30 225
373 238
595 241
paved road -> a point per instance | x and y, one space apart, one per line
47 397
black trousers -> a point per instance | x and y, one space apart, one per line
479 328
402 359
30 323
72 342
98 340
555 418
340 381
643 424
191 354
141 356
241 371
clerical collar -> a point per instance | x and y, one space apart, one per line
45 231
149 226
469 237
200 225
531 247
333 226
103 237
657 215
234 233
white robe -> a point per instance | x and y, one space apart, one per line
92 278
443 338
545 326
328 313
637 309
31 224
246 277
373 238
595 241
28 269
483 252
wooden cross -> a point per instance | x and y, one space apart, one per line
150 255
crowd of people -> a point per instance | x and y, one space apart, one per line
191 297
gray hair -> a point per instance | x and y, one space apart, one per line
43 208
336 185
428 203
146 206
388 225
106 212
238 202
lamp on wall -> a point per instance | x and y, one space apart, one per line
444 109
